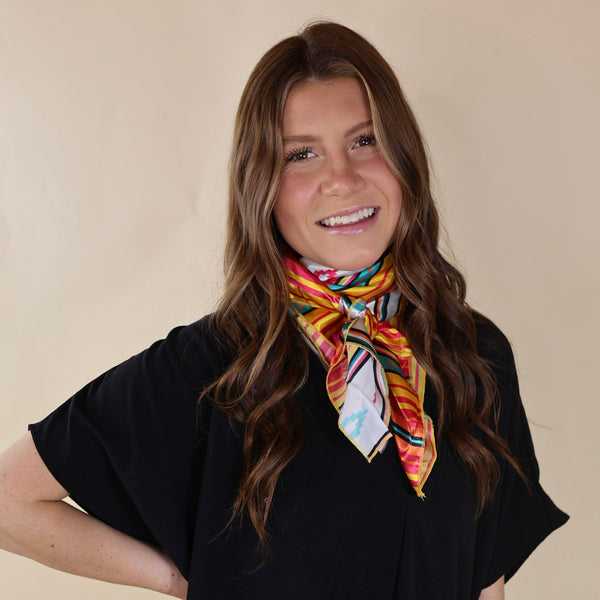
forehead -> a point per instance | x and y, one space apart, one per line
316 103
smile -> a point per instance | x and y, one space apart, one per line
355 217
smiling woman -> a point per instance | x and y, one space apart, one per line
343 404
339 201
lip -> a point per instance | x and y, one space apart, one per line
350 228
348 211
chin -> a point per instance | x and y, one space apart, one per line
355 263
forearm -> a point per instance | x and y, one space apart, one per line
61 536
37 523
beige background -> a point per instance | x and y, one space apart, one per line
115 124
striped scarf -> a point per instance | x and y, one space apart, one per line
374 381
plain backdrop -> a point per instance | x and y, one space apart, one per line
115 125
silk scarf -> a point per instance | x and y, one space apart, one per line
373 380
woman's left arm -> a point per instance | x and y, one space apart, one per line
494 591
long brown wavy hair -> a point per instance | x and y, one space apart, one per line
253 320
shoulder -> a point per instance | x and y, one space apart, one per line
190 347
495 349
170 372
492 345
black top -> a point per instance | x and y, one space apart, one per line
132 450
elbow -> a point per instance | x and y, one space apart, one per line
494 591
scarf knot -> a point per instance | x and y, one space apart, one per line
353 309
373 380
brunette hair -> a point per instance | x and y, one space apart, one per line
268 354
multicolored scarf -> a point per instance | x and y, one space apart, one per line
374 381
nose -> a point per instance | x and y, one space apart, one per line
340 177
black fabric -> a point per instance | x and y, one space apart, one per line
132 449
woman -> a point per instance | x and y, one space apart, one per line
344 425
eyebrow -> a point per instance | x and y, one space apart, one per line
305 139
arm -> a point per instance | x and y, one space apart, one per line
36 523
494 591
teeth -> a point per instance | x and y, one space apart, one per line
363 213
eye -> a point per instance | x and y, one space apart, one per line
365 139
298 154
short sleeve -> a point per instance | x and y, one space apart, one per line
128 447
521 515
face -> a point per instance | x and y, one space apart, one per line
338 202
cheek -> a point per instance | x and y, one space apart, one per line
295 186
294 198
285 203
380 173
396 211
396 200
393 192
393 188
287 214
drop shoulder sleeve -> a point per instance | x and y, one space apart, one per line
521 515
128 447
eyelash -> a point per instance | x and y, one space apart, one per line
293 155
364 139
